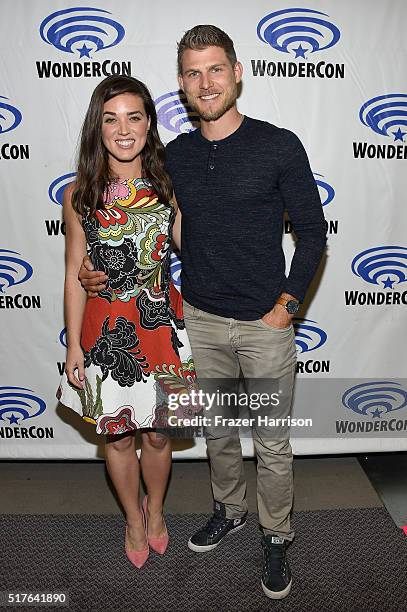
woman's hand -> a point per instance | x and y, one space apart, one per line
75 361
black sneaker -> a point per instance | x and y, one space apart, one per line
276 578
215 530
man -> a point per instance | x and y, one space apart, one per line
233 179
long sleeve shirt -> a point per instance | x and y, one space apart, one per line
232 194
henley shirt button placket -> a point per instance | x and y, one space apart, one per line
212 157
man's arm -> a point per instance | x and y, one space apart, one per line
91 280
303 204
176 228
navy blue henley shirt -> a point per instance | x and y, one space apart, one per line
232 194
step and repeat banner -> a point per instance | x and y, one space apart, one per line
332 72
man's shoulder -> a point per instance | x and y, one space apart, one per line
265 129
180 142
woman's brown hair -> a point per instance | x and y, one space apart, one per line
93 174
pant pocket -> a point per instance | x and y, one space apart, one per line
276 329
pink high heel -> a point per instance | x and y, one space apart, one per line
138 557
158 544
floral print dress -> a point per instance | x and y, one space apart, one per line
133 336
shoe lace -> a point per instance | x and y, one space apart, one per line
274 558
214 522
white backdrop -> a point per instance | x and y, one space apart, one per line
334 73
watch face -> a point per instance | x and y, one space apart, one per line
292 306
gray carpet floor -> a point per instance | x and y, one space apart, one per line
352 560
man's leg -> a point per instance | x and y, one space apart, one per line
267 357
211 339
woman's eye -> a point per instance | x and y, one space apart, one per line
109 120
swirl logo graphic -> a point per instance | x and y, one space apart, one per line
90 27
18 404
308 337
62 337
175 270
175 114
303 27
385 112
10 116
373 265
326 191
57 187
375 398
13 270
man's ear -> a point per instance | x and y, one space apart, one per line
181 82
238 70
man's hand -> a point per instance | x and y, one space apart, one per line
91 280
277 317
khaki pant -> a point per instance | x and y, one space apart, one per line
225 348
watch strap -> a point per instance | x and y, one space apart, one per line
284 301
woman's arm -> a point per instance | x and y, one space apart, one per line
74 295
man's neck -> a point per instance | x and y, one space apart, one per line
222 127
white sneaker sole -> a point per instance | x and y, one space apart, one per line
209 547
277 594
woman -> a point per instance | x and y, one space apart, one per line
127 348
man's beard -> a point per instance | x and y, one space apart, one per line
213 115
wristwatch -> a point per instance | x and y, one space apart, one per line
291 306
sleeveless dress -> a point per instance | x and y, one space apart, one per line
133 336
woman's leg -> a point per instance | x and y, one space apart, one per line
124 470
155 460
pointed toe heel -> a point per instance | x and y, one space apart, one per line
159 545
137 557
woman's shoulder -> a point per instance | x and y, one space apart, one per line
70 209
68 191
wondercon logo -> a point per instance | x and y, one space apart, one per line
375 398
326 191
175 114
57 187
62 338
385 112
386 265
308 337
13 269
10 116
19 404
82 30
303 27
175 270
